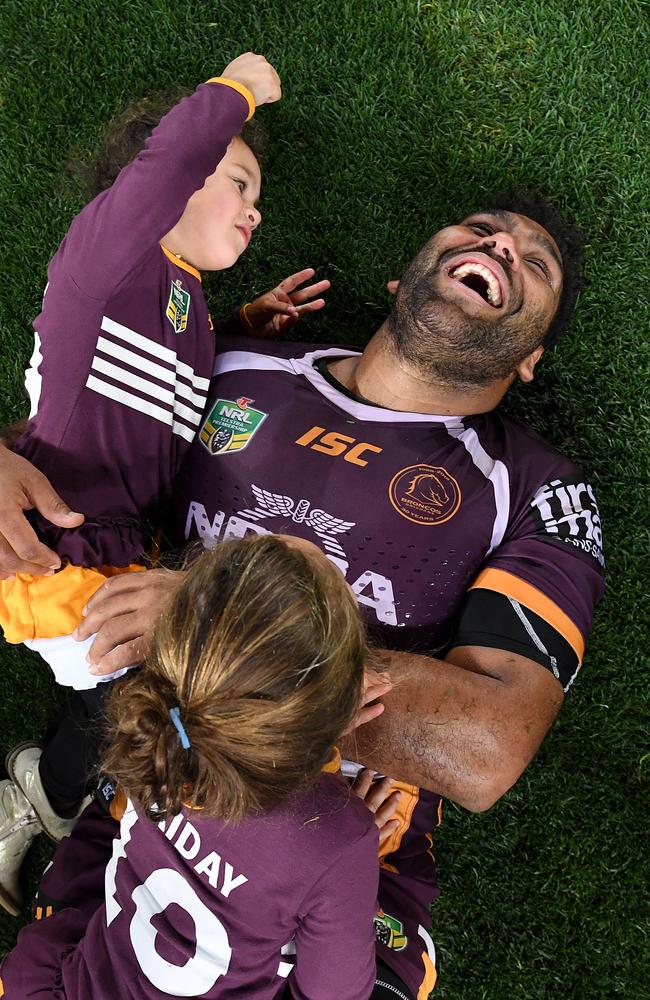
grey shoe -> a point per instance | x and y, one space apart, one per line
18 827
22 768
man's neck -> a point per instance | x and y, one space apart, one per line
380 377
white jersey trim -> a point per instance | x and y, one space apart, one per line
494 470
251 361
154 348
33 377
110 360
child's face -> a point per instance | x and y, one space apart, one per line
219 220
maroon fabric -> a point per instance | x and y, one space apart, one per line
409 558
424 505
195 908
122 389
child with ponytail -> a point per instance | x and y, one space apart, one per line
240 850
123 354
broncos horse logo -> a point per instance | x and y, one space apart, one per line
429 488
425 494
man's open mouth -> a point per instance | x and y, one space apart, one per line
479 279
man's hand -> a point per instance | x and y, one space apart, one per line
380 800
257 75
124 613
272 313
23 487
375 686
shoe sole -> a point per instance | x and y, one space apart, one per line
10 761
9 904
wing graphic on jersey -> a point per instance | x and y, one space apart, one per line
321 521
273 503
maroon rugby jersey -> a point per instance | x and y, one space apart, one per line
124 345
415 510
192 907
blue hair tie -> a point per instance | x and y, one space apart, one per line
175 716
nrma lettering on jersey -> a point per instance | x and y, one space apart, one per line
372 590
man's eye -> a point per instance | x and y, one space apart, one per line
540 266
482 228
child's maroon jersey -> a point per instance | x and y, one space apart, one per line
416 510
124 345
194 908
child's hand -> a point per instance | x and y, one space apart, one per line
275 311
392 286
375 686
255 73
380 800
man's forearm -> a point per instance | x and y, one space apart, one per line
466 729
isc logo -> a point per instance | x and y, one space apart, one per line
331 443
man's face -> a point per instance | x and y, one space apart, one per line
481 296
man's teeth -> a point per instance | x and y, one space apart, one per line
493 289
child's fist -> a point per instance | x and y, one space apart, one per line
255 73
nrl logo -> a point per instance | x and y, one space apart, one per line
230 425
389 931
178 306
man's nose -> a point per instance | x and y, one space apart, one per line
504 245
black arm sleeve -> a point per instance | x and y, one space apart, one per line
488 618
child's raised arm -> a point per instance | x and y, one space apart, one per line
113 234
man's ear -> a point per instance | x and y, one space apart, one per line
526 370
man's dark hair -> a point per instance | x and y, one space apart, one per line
126 137
570 241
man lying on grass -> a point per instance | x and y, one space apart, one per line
473 546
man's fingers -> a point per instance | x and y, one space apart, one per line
10 564
110 608
21 537
118 586
48 503
127 655
116 632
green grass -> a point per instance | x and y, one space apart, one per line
398 117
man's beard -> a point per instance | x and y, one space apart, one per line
446 346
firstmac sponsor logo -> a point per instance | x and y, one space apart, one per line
567 509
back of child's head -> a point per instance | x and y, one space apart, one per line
262 651
126 136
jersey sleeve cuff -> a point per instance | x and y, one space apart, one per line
516 588
240 88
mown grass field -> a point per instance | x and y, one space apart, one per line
398 117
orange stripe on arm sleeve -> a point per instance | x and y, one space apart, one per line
240 88
512 586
